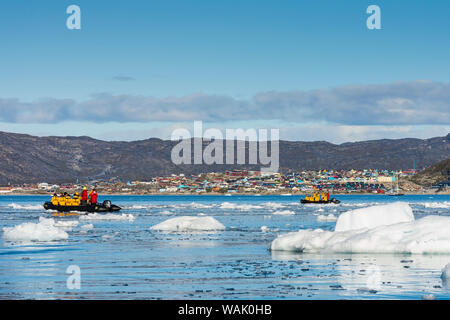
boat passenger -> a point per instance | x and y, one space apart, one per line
316 197
55 200
62 199
76 199
84 196
93 195
68 199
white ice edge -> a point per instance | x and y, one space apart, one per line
378 229
44 230
188 223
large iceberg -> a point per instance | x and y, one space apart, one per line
372 217
44 230
378 229
445 276
187 223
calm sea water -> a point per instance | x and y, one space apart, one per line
124 259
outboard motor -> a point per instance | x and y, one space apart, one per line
107 204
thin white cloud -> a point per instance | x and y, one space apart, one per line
403 103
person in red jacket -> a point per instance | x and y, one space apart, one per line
84 197
93 195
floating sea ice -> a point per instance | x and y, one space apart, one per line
264 229
26 207
243 207
227 205
248 207
274 205
284 212
200 205
437 205
445 276
44 230
109 236
375 216
138 206
66 225
379 229
330 217
87 227
107 216
187 223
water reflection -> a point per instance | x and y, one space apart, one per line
383 275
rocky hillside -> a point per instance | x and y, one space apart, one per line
25 158
434 174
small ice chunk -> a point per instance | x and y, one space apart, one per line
239 206
66 224
187 223
44 230
446 273
330 217
107 216
284 212
274 205
16 206
87 227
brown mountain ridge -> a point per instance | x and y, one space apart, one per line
31 159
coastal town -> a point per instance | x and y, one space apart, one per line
369 181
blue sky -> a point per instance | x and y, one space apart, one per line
170 57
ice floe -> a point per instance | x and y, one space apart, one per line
329 218
284 212
138 207
239 206
274 205
375 216
187 223
445 275
44 230
108 216
200 205
66 225
87 227
378 229
437 205
16 206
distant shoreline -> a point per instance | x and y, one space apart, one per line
232 194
